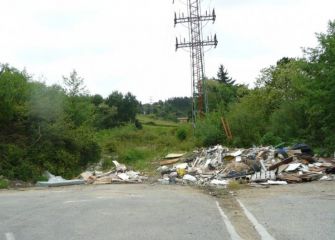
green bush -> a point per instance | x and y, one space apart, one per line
4 183
138 124
182 133
107 163
209 131
132 155
270 139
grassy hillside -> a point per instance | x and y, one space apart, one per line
142 148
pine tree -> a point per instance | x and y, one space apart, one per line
223 76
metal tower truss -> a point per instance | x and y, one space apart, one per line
196 44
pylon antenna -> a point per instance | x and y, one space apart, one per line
196 44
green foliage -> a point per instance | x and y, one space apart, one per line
183 132
220 96
292 102
117 109
209 130
74 85
171 109
223 76
270 139
4 183
138 124
42 128
141 148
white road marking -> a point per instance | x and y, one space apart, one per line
259 228
231 230
76 201
10 236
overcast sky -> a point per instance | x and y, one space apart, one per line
128 45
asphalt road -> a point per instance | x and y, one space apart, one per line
110 212
297 211
144 212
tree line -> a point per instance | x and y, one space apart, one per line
53 127
292 101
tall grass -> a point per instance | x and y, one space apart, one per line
141 149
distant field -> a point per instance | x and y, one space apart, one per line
148 120
143 148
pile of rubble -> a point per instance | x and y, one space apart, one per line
259 165
119 175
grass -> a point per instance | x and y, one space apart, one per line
235 185
141 149
154 121
4 183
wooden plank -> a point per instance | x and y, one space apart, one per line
169 161
285 161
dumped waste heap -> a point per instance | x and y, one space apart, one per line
118 175
259 165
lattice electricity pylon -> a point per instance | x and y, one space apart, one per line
196 44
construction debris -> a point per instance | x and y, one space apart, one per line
120 175
57 181
219 165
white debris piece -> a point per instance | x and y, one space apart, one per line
133 175
174 155
56 181
235 154
190 178
219 182
327 178
181 166
293 167
271 182
163 169
119 167
123 176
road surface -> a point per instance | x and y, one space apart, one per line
297 211
144 212
141 212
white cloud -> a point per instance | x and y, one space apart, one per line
128 45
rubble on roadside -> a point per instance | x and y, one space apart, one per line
218 165
118 175
57 181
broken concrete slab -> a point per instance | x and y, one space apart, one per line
189 178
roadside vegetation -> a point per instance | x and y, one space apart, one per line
292 102
64 129
142 148
4 183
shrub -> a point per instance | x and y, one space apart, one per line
270 139
138 124
181 134
4 183
209 131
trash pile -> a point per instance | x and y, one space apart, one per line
119 175
259 165
57 181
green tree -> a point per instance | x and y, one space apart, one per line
223 76
74 85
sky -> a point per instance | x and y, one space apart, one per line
129 45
